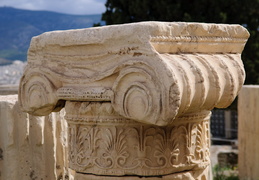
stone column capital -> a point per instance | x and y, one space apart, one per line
151 72
137 96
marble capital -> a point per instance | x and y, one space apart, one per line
164 69
132 91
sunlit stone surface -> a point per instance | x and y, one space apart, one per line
31 147
248 132
137 96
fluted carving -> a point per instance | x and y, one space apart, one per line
184 83
137 96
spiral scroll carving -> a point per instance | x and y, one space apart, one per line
140 95
38 94
184 83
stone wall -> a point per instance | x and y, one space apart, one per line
31 147
248 133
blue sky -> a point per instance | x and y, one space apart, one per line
63 6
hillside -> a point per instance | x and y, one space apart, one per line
17 27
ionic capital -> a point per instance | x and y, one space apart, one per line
151 72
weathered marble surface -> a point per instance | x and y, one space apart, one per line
189 175
248 132
104 143
137 96
165 69
31 147
8 89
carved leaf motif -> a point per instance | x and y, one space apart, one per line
197 144
182 138
169 146
191 133
72 143
142 134
115 149
177 145
201 150
162 149
83 145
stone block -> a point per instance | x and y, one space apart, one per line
31 147
248 132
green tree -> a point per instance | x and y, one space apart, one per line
244 12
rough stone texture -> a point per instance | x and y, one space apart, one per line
248 132
137 96
191 175
104 143
31 147
165 69
8 89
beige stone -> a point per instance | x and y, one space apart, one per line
107 144
31 147
137 96
191 175
248 132
174 60
8 89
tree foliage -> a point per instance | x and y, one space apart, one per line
241 12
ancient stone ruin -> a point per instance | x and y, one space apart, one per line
137 97
248 132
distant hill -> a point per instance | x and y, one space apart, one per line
17 27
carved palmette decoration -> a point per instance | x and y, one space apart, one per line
117 146
165 69
137 96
